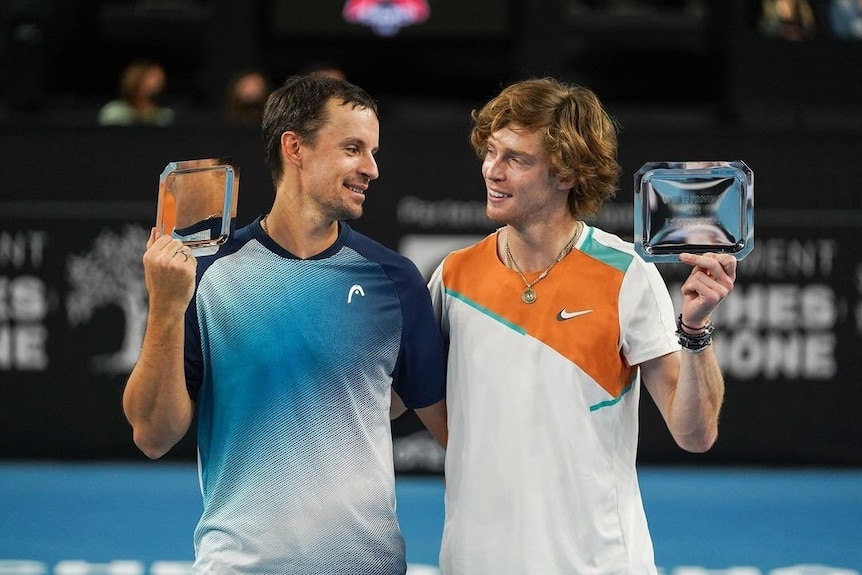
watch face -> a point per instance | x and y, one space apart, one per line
693 207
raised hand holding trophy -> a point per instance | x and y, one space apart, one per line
693 207
197 200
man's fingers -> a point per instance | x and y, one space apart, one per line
714 265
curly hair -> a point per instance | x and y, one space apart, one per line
578 134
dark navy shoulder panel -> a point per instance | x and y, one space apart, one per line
420 375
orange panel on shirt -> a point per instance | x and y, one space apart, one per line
579 283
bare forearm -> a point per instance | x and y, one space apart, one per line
396 406
697 401
433 418
155 400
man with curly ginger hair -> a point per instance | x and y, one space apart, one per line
553 326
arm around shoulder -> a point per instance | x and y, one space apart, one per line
433 418
396 406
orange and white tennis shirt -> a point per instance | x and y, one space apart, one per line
543 409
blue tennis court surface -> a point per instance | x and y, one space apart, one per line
137 519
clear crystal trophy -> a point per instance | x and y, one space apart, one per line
694 207
197 201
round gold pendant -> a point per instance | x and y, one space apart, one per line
529 296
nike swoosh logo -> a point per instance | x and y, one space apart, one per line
564 315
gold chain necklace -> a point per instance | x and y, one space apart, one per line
263 225
529 295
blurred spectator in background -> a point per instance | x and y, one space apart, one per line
787 19
142 85
846 19
245 98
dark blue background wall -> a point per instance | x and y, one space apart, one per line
77 203
687 81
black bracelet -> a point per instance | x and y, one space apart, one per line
695 343
686 326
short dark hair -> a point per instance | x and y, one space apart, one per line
299 105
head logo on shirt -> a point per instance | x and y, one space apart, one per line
355 289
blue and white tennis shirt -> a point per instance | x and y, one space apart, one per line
290 362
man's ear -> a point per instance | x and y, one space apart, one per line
566 185
291 147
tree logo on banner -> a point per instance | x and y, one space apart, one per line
112 273
386 17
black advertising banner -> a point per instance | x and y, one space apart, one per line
788 341
73 307
73 303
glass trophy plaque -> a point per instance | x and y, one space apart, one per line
197 201
693 207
